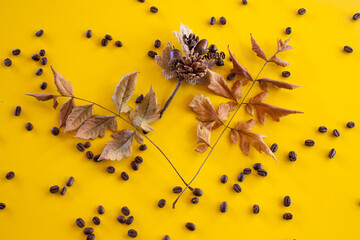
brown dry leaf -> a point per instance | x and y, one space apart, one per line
120 147
146 112
139 138
163 62
280 84
184 30
240 70
248 139
279 61
78 116
250 109
203 137
65 111
218 85
236 89
257 49
274 112
283 46
224 110
205 111
46 97
63 86
55 102
96 127
123 92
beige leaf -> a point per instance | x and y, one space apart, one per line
240 70
139 138
78 116
236 89
264 84
218 85
120 147
96 127
63 86
65 111
163 61
203 134
184 30
279 61
202 106
257 49
123 92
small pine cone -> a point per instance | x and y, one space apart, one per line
191 69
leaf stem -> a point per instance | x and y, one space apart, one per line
171 97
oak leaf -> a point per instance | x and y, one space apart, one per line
203 137
96 127
280 84
123 92
65 111
63 86
120 147
240 70
78 116
257 49
220 87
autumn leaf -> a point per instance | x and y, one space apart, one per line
65 111
279 61
146 112
236 89
240 70
46 97
163 62
247 138
283 46
120 147
78 116
63 86
224 110
123 92
203 138
261 108
257 49
184 30
219 86
280 84
96 127
139 138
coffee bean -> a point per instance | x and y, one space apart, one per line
262 172
161 203
118 43
16 52
96 220
91 236
87 144
292 156
157 43
287 201
7 62
129 220
88 33
142 147
237 188
97 158
54 189
332 153
287 216
43 61
356 16
43 85
166 237
29 126
301 11
212 48
104 42
138 159
256 209
100 209
55 131
222 21
80 147
125 210
231 76
139 99
124 176
132 233
245 2
145 132
154 9
350 125
212 21
190 226
80 222
121 219
110 169
70 181
177 189
197 192
309 142
88 230
288 30
151 54
195 200
247 171
35 57
241 177
42 52
63 191
348 49
219 62
108 37
224 179
223 207
336 133
10 175
89 155
135 165
39 72
286 74
322 129
39 33
2 206
257 166
17 111
274 147
142 1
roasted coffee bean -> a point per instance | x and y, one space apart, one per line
190 226
247 171
287 216
286 74
309 142
43 61
157 43
16 52
121 219
288 30
80 222
55 131
274 147
161 203
151 54
87 144
237 188
356 16
322 129
10 175
223 207
88 230
70 181
138 159
54 189
348 49
166 237
177 189
197 192
135 165
17 111
29 126
124 176
132 233
336 133
292 156
91 236
262 172
108 37
39 72
110 169
212 21
145 132
2 206
301 11
118 43
256 209
195 200
332 153
231 76
129 220
100 209
43 85
125 210
96 220
212 48
89 155
154 9
139 99
241 177
7 62
287 201
245 2
350 124
224 179
63 191
257 166
104 42
39 33
88 33
142 147
42 52
35 57
142 1
222 21
97 158
80 147
219 62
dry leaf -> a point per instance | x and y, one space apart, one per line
224 110
218 85
279 61
63 86
257 49
123 92
65 111
163 62
139 138
274 112
283 46
78 116
42 97
146 112
203 137
240 70
236 89
184 30
55 102
120 147
248 139
264 84
201 148
96 127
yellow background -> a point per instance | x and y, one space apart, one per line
325 192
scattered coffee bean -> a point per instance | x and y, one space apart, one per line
190 226
142 1
110 169
132 233
237 188
223 207
125 210
222 21
100 209
70 181
54 189
89 155
142 147
301 11
336 133
161 203
212 21
145 132
322 129
288 30
219 62
118 43
55 131
108 37
197 192
195 200
39 72
151 54
212 48
88 33
245 2
332 153
224 179
124 176
154 9
177 189
257 166
10 175
231 76
247 171
96 220
35 57
43 61
43 85
157 43
356 16
42 52
256 209
80 222
262 172
2 206
104 42
63 191
135 165
29 126
139 99
286 74
121 219
16 52
88 230
80 147
292 156
287 216
138 159
350 125
87 144
97 158
241 177
309 142
348 49
17 111
39 33
129 220
166 237
274 147
91 236
7 62
287 201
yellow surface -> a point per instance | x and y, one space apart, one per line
325 193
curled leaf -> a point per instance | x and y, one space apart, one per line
279 61
63 86
240 70
96 127
218 85
123 92
257 49
78 116
65 111
280 84
120 147
46 97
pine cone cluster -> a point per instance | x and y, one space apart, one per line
191 68
191 40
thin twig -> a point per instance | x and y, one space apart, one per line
171 97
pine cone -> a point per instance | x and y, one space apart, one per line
191 40
192 69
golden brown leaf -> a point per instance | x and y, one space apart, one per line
240 70
123 92
96 127
224 110
279 61
65 111
205 111
163 62
283 46
218 85
78 116
55 102
63 86
120 147
139 138
257 49
236 89
203 137
280 84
